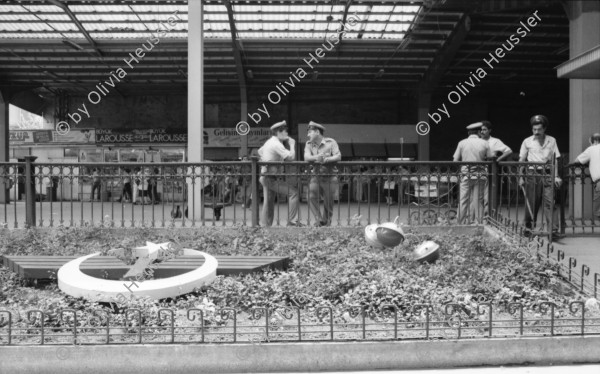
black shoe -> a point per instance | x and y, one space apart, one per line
295 224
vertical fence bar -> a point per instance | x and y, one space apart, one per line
493 198
255 198
30 191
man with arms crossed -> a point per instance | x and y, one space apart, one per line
540 148
280 147
499 149
323 151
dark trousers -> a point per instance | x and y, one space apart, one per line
126 193
96 186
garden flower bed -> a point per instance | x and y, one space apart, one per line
336 287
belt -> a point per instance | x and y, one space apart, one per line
539 168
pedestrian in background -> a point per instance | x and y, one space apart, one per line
96 184
126 193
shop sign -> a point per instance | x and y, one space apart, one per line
159 136
29 137
78 136
229 137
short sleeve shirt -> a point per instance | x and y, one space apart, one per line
533 151
496 145
592 155
472 149
327 148
273 151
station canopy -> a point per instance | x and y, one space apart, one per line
71 45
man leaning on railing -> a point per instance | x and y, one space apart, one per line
592 156
323 151
280 147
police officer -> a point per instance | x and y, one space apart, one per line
325 152
473 183
540 148
280 147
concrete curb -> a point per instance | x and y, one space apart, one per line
294 357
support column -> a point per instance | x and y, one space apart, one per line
195 104
4 145
584 111
424 105
243 116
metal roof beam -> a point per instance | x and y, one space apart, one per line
78 24
446 55
344 17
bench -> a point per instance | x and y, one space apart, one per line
110 267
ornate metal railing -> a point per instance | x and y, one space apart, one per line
580 201
232 193
457 320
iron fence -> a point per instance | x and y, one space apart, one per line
476 317
580 201
572 271
233 193
457 320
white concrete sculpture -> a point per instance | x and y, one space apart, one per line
77 284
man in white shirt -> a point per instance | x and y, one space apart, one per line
474 182
592 156
499 149
280 147
540 148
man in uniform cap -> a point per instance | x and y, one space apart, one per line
280 147
592 156
499 149
324 151
473 183
540 148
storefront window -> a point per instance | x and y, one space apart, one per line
172 155
90 155
71 152
111 155
129 155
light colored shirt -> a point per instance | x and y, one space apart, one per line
533 151
591 155
472 149
273 151
496 145
328 148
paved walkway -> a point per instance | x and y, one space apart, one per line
586 251
579 369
